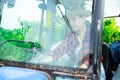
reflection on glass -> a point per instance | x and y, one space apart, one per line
62 32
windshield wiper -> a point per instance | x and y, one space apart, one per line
64 16
23 44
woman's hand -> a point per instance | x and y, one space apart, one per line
84 66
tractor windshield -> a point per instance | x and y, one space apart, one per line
47 32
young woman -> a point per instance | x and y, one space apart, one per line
76 44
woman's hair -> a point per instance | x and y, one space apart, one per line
77 12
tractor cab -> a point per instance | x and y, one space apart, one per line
51 39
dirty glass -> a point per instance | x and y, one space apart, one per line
49 32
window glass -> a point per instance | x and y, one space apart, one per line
47 32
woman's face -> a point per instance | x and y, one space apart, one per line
77 23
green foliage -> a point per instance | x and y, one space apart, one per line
111 31
11 52
15 50
0 18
